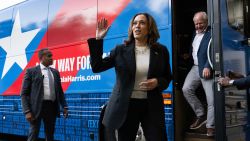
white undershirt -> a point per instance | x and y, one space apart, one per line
142 55
196 43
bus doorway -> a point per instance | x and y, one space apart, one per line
183 28
230 50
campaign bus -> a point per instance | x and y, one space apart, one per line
64 26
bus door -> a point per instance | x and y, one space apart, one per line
231 56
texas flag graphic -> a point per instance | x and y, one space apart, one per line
20 35
16 44
62 26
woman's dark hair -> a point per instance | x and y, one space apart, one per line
153 33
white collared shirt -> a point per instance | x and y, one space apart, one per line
46 87
196 44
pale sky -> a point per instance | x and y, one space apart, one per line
7 3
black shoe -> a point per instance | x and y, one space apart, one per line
199 121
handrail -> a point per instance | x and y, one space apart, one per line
208 53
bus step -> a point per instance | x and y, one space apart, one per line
198 135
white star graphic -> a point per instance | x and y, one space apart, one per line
15 46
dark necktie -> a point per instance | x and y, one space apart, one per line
51 85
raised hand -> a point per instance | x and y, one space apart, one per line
102 28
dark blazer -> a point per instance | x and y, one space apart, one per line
122 57
32 91
202 52
242 83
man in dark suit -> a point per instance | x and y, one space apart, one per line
42 95
200 73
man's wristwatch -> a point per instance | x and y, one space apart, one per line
231 82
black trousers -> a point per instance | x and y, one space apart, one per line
48 116
138 113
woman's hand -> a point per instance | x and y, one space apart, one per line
149 84
102 28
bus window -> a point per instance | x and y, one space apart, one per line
235 14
